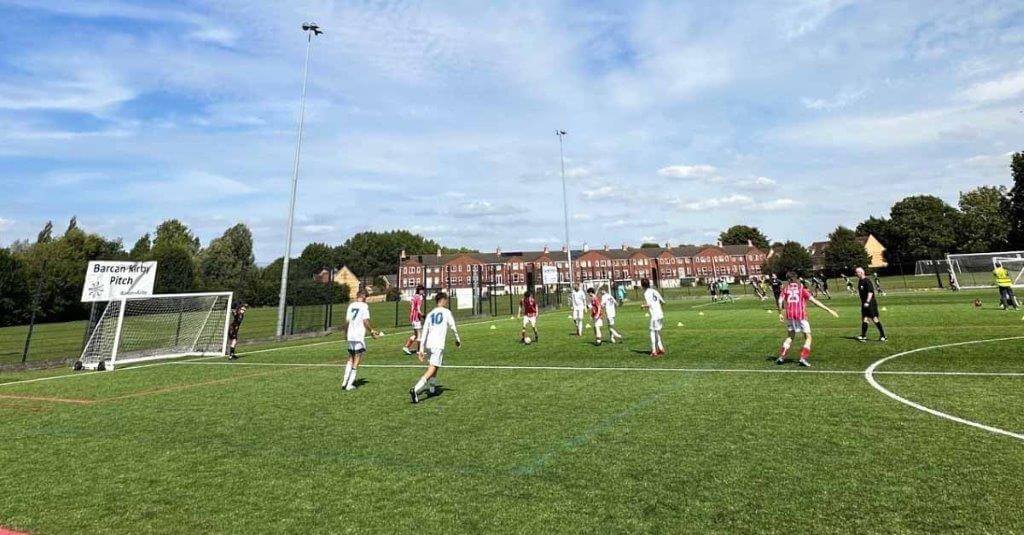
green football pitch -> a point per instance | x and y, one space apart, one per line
557 436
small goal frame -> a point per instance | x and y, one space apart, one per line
108 363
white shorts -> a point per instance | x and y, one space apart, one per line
656 324
529 320
598 322
798 326
577 313
417 325
611 321
435 357
356 346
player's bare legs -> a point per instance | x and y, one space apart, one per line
412 342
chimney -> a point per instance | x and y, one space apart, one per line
750 243
719 243
586 247
668 245
625 247
606 247
565 249
497 251
403 255
439 252
546 249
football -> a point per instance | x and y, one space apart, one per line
527 340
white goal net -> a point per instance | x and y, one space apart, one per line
974 270
134 329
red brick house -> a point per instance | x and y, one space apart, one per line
503 272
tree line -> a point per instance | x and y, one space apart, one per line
47 274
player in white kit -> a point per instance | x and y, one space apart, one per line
435 334
579 305
358 317
653 302
610 307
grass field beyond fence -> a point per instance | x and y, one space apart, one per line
560 436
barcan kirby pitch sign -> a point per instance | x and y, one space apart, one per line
109 280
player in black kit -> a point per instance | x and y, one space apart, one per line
237 315
868 306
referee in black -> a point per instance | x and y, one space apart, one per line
776 285
868 306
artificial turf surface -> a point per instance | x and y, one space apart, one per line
713 437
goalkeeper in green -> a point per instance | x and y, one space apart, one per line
1005 284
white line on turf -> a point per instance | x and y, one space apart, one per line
870 373
611 368
716 302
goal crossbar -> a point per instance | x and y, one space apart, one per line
974 270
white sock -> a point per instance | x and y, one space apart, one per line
654 341
661 346
615 334
348 371
352 378
419 385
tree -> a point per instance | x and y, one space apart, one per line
174 232
649 245
740 234
984 223
376 253
923 227
176 270
317 256
844 252
15 295
1016 201
791 257
228 263
45 235
140 251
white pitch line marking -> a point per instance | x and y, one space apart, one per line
612 368
870 372
716 302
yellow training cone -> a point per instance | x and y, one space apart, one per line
884 309
700 313
680 324
493 327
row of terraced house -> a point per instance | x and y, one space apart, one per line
667 267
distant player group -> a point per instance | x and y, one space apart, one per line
430 330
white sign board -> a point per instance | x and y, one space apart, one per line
463 298
549 274
109 280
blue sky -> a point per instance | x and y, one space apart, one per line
683 117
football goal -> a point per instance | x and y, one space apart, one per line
134 329
974 270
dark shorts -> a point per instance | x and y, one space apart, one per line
233 332
870 311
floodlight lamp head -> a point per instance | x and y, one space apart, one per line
312 27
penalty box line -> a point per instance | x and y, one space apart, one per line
609 368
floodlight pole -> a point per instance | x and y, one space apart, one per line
311 30
565 209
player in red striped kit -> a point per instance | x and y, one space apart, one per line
415 319
595 314
793 312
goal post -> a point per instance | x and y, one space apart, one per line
974 270
135 329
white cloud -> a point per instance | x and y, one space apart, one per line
1009 86
481 209
582 217
86 91
732 202
604 193
761 183
318 229
577 172
5 223
689 172
838 102
215 35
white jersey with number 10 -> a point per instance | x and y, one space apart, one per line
435 328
